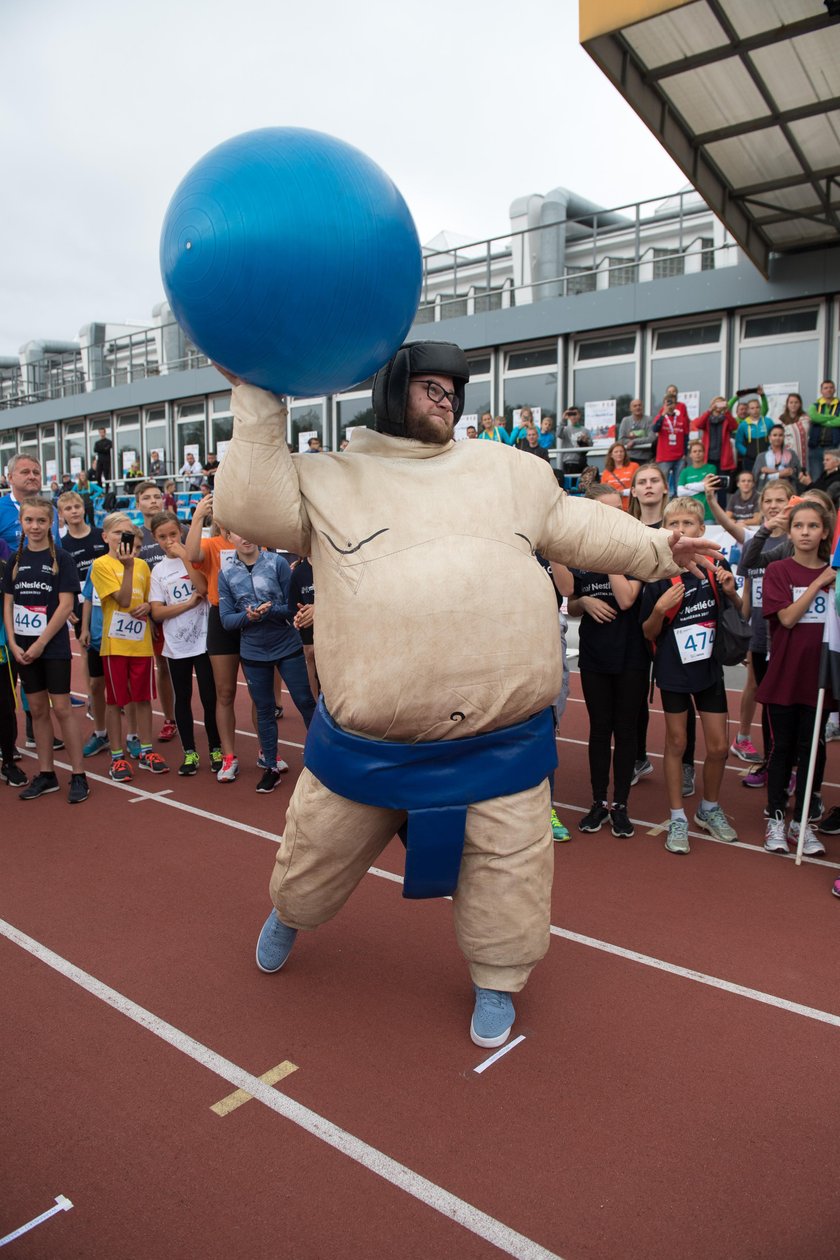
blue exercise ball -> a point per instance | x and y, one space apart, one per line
290 258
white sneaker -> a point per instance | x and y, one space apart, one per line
832 731
812 846
229 770
774 838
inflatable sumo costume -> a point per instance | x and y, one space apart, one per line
439 657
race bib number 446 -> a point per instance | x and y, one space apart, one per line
29 620
818 610
694 643
125 627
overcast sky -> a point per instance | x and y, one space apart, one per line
467 104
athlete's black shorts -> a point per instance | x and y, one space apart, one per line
95 667
712 700
46 675
220 642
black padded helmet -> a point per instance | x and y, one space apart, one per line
390 385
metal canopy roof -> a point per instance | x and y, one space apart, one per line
745 97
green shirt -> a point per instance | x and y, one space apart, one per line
689 476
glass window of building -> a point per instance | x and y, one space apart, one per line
157 447
689 356
74 448
94 424
782 348
354 411
49 453
128 459
221 424
604 369
478 396
530 380
28 443
8 447
190 433
306 418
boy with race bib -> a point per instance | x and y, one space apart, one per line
679 618
40 585
122 581
795 596
178 603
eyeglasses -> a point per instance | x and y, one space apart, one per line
436 393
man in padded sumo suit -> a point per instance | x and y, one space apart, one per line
435 713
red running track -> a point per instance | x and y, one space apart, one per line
673 1096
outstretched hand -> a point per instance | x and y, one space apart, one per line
687 551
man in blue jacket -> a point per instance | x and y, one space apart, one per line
25 480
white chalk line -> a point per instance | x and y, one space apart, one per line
62 1204
508 1240
494 1058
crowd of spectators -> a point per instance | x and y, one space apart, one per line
180 602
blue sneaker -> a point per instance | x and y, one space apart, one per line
94 745
492 1018
132 747
274 944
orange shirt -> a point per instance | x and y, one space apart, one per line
620 479
213 557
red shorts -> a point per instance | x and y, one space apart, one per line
157 638
129 679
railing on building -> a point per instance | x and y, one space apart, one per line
464 280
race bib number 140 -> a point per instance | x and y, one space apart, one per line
125 627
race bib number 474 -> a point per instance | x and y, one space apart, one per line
695 643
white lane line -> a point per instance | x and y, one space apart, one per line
657 828
494 1058
150 796
630 954
140 794
740 767
442 1201
687 973
62 1204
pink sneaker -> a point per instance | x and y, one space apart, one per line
746 749
835 888
756 778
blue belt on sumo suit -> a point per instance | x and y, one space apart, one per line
434 782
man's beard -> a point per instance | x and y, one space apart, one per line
428 429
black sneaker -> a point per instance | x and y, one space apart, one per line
58 744
278 712
621 824
79 790
40 785
269 781
13 775
830 825
595 819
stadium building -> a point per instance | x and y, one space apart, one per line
731 283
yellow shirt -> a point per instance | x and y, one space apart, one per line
122 635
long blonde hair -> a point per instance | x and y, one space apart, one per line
42 505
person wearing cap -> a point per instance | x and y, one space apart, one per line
417 542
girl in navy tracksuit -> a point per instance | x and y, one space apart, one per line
254 599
